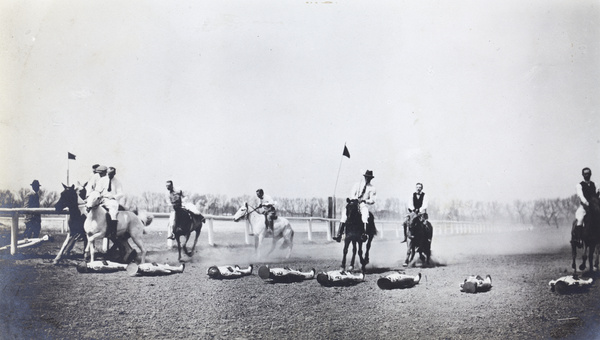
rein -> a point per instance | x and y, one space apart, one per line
247 215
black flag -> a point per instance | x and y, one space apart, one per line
346 152
70 155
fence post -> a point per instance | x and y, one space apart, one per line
211 233
310 230
329 236
14 232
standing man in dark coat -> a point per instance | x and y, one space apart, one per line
33 222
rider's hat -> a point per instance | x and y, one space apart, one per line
101 168
369 173
36 182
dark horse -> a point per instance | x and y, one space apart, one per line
72 198
590 235
355 229
185 223
420 240
371 232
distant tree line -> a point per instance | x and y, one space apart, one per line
549 212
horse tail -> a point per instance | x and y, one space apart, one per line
145 218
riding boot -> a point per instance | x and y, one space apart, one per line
364 237
405 236
111 230
338 238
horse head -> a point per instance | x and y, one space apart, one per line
241 213
68 198
352 209
415 223
81 190
93 200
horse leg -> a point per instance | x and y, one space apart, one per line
574 254
62 249
178 239
353 255
273 244
409 251
91 248
596 264
428 253
137 239
363 261
195 241
258 242
591 252
187 238
288 241
582 266
71 244
126 249
345 252
368 248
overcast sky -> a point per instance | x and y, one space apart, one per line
477 100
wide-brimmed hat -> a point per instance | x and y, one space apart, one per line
369 173
36 182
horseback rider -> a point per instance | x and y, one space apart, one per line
90 185
365 193
112 191
175 198
419 206
586 189
266 207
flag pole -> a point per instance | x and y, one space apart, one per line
68 163
338 176
345 153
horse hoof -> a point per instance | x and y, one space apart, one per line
405 264
582 267
366 260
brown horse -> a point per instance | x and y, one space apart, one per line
420 241
72 198
590 236
355 233
185 223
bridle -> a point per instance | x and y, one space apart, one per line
88 209
248 212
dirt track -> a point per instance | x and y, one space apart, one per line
42 301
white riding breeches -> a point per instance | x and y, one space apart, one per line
112 206
579 215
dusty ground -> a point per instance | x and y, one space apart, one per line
42 301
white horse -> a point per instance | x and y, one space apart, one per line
95 225
282 229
